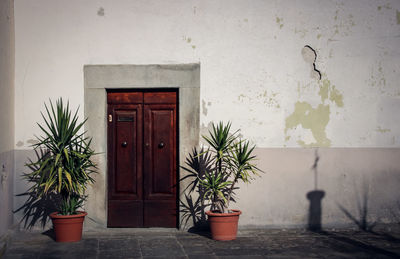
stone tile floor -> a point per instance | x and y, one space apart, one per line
170 243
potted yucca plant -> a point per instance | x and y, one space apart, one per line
64 168
233 161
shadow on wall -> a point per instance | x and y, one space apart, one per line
315 197
36 209
362 207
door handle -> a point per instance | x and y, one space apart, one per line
124 144
161 145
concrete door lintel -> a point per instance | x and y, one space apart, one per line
99 78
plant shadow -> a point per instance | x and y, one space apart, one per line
36 209
193 207
50 233
361 221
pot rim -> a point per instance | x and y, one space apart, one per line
218 214
54 215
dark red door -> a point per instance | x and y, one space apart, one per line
142 159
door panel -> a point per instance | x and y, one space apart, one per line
159 153
125 166
142 144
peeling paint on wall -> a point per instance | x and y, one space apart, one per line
314 119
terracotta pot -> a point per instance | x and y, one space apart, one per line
223 225
68 228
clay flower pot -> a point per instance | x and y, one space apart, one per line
223 225
68 228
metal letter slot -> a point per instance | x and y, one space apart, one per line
125 118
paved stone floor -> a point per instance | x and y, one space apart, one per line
166 243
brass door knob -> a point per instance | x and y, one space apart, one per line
124 144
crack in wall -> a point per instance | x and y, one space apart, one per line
310 56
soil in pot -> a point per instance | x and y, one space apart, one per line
223 225
68 228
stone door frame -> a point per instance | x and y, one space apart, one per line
99 78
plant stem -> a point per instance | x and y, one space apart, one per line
231 190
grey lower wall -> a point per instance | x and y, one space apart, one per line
352 179
348 176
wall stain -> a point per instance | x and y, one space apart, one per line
324 89
267 98
381 130
279 22
302 32
336 97
314 119
377 79
32 141
189 41
100 12
386 6
398 16
343 24
19 143
205 111
329 91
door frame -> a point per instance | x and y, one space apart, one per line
99 78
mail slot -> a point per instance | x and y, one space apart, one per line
124 118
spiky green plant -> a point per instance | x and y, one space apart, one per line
234 161
65 168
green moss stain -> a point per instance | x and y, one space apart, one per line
336 97
314 119
380 130
279 22
398 16
319 36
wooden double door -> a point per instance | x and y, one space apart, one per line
142 164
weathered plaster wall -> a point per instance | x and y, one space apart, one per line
6 114
340 92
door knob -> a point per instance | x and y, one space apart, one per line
124 144
161 145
